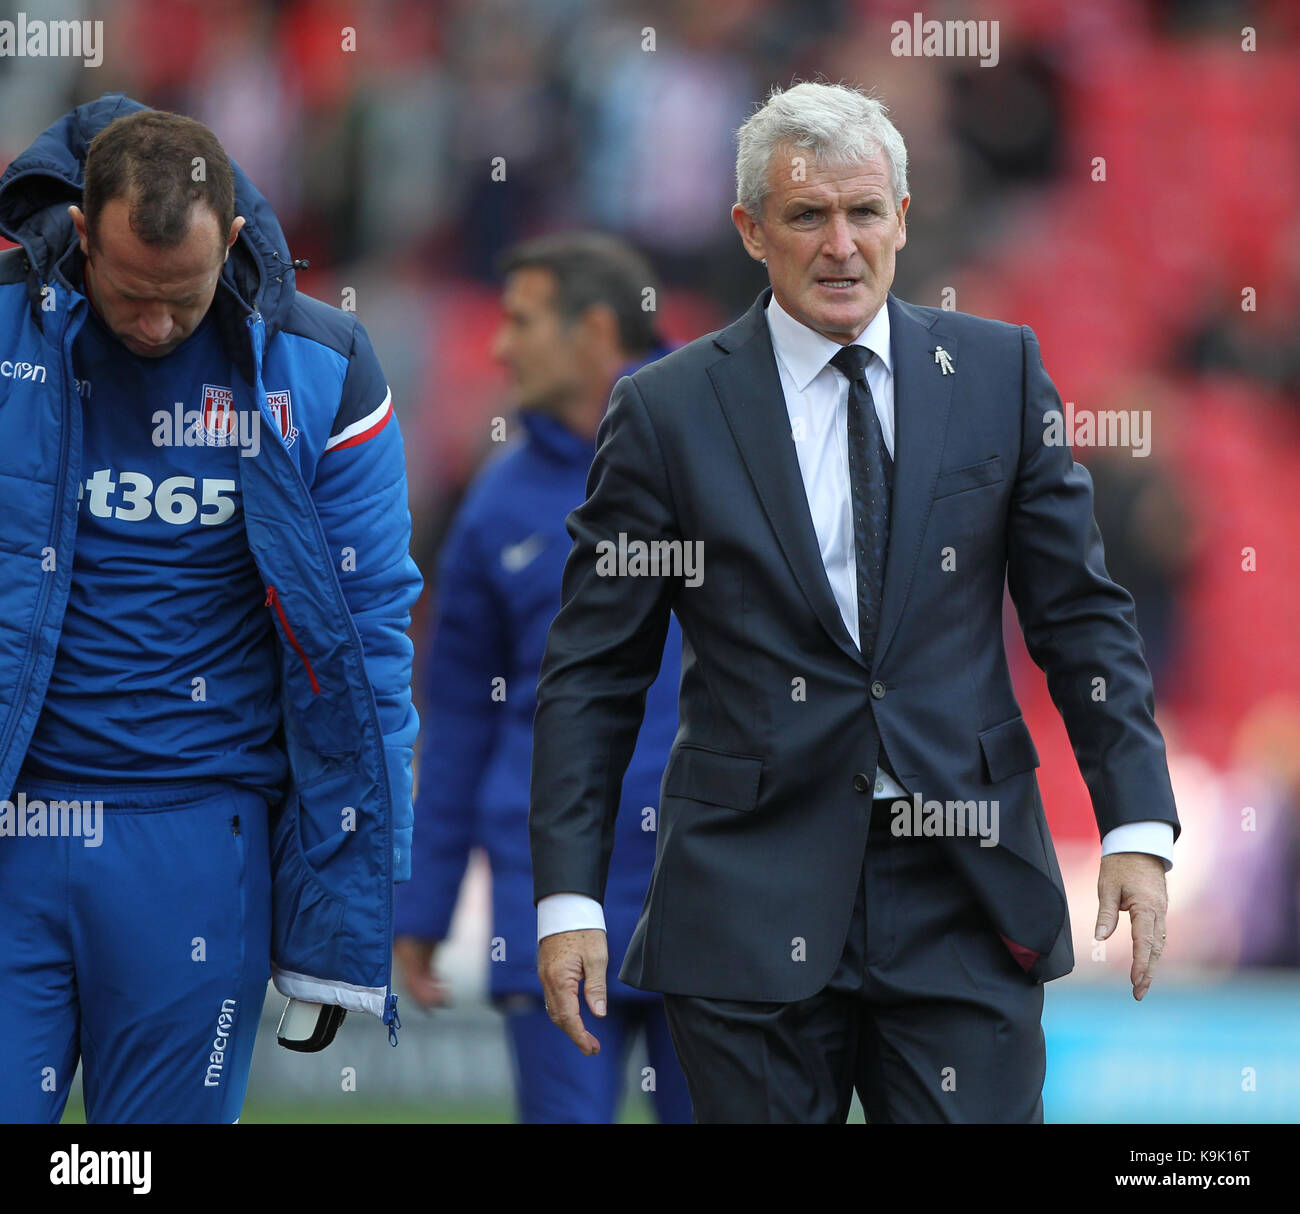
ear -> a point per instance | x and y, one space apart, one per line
235 229
902 222
751 233
599 324
83 231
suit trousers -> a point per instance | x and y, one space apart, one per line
927 1015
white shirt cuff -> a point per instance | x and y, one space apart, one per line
568 913
1153 838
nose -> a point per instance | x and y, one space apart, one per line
839 244
155 325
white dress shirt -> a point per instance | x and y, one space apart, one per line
817 400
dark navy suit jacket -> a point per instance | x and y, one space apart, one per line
765 801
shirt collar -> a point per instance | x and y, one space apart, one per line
805 352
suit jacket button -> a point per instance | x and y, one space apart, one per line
878 690
861 783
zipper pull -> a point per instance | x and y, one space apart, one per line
270 596
391 1018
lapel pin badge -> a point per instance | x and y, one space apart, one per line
944 359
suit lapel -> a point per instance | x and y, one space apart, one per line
749 389
922 399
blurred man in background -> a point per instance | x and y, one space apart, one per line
576 319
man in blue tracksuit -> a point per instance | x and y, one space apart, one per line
205 717
575 314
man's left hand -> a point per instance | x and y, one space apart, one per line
1134 882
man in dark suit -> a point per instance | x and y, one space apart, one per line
854 884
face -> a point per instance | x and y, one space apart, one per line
152 298
829 240
538 350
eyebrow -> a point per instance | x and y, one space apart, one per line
183 299
796 205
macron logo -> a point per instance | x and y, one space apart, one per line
16 370
220 1044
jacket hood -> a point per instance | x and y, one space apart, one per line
38 186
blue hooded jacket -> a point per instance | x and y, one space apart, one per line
328 527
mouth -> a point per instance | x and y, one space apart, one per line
838 284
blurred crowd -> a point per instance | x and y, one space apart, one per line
1126 181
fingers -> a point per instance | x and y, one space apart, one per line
1107 906
1142 921
1134 882
415 958
594 985
564 961
562 1005
1152 925
427 991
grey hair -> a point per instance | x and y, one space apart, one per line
837 124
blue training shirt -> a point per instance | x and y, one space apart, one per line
166 666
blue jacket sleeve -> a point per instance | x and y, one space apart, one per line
361 497
461 724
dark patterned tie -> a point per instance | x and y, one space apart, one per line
871 473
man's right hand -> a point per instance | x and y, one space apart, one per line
563 961
415 959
